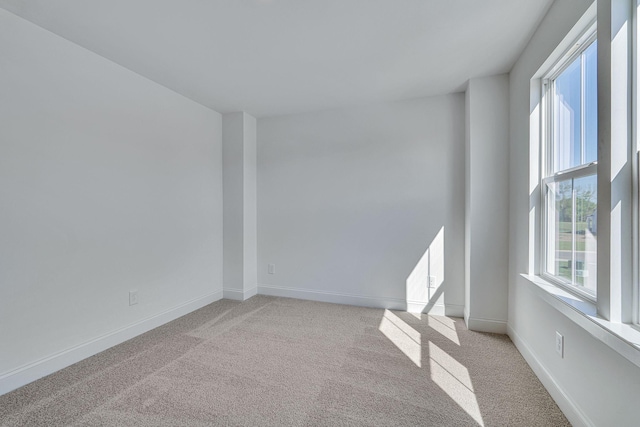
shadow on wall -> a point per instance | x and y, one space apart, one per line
424 285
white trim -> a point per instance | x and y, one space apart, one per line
239 294
635 165
620 337
451 310
251 292
547 164
333 297
582 27
635 292
419 307
25 374
582 43
486 325
570 409
359 300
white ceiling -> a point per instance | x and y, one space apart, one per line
270 57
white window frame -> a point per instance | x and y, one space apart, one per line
635 137
547 175
613 318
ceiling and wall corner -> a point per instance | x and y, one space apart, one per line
110 183
268 58
274 57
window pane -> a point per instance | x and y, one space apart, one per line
591 103
575 113
585 190
570 196
566 117
560 230
571 232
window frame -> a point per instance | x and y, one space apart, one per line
547 175
635 165
613 318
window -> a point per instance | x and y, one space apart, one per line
569 106
635 149
569 172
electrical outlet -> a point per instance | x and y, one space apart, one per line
432 282
559 344
271 269
133 297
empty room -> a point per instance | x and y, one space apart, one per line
319 213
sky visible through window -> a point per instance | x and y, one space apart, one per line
572 217
575 145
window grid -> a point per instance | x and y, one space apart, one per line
553 176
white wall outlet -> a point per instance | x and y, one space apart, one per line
432 282
559 344
133 297
271 269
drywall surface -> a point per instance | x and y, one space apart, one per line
250 211
240 222
467 204
361 205
108 183
487 204
593 384
232 158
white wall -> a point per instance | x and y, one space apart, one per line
592 383
361 205
108 182
240 274
487 204
250 216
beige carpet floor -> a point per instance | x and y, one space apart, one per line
285 362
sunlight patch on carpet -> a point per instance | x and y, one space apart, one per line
444 326
402 335
453 378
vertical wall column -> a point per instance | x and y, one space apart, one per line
616 152
487 204
240 275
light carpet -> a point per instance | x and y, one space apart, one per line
284 362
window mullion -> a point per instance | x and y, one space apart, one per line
583 114
573 233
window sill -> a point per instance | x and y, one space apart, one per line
621 337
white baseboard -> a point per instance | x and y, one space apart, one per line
573 413
23 375
239 294
251 293
334 297
360 300
486 325
452 310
